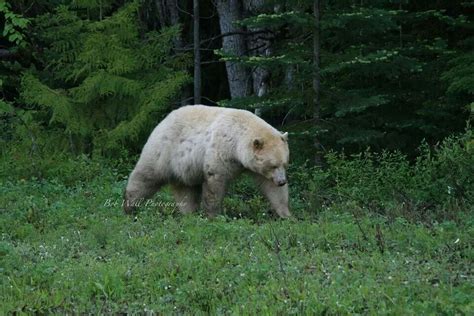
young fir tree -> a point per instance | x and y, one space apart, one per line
105 80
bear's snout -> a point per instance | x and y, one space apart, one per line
279 177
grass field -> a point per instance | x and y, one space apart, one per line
64 249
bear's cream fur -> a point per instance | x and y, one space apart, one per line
198 149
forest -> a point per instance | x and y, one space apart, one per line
377 98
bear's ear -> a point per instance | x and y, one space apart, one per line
257 144
284 136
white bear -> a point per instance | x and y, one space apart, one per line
198 149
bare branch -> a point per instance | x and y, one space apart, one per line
182 10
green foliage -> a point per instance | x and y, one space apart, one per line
461 75
400 72
106 79
438 186
13 30
14 25
277 20
5 107
103 73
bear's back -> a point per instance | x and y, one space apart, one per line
203 115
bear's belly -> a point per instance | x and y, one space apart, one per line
188 164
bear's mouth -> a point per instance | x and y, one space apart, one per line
280 183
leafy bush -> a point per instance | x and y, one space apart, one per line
437 185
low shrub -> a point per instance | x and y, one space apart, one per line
438 185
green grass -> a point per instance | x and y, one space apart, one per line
62 250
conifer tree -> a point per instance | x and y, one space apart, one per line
384 69
105 80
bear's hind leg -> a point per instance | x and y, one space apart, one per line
139 187
187 198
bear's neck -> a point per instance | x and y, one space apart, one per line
242 147
248 128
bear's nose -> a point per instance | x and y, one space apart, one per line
281 183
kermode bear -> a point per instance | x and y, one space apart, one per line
198 149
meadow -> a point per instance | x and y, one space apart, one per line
371 234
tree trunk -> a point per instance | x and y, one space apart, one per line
197 54
316 80
238 75
258 47
168 15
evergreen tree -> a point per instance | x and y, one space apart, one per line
384 69
105 79
385 87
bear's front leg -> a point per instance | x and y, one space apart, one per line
276 195
187 198
140 186
213 191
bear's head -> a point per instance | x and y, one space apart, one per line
270 156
